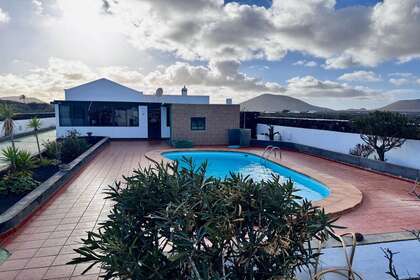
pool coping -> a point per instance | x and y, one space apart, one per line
343 196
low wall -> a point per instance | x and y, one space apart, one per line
341 142
21 126
24 208
375 165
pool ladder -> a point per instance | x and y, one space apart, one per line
270 150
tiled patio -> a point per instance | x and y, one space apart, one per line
45 243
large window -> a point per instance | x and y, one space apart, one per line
98 114
198 123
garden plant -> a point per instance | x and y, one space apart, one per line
169 222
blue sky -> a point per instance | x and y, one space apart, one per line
340 54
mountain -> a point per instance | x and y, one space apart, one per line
408 106
272 103
25 108
19 99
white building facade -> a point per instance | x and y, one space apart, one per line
106 108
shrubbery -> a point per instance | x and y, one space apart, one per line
173 223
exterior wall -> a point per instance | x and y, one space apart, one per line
165 129
21 126
112 132
342 142
219 118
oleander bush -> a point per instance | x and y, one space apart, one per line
169 222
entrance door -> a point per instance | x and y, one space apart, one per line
154 124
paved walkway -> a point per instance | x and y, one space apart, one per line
45 243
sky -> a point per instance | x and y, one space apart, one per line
334 53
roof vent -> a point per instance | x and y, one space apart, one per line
159 92
229 101
184 91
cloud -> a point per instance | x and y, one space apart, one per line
4 17
399 82
220 79
205 29
309 86
400 79
216 74
305 63
360 76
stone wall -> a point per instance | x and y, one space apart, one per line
219 119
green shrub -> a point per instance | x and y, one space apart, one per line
173 223
72 146
17 183
52 149
182 144
19 160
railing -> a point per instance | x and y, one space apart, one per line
270 150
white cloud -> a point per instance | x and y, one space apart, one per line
400 81
199 29
360 76
311 87
220 79
401 74
4 17
306 63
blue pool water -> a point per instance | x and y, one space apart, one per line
220 164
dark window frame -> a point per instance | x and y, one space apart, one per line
197 127
85 106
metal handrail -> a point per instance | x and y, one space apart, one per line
270 150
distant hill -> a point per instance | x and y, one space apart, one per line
28 108
272 103
408 106
19 99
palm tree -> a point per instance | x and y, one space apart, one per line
35 124
6 113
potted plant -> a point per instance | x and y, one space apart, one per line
271 134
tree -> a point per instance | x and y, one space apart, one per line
6 113
35 124
384 131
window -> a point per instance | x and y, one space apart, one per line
198 123
99 114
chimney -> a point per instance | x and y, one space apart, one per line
184 91
229 101
159 92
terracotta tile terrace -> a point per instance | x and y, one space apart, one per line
41 247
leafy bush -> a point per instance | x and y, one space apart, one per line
361 150
17 183
72 146
19 160
384 131
52 149
173 223
182 144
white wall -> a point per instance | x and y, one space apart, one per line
21 126
113 132
165 129
408 155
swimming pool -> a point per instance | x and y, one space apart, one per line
221 163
